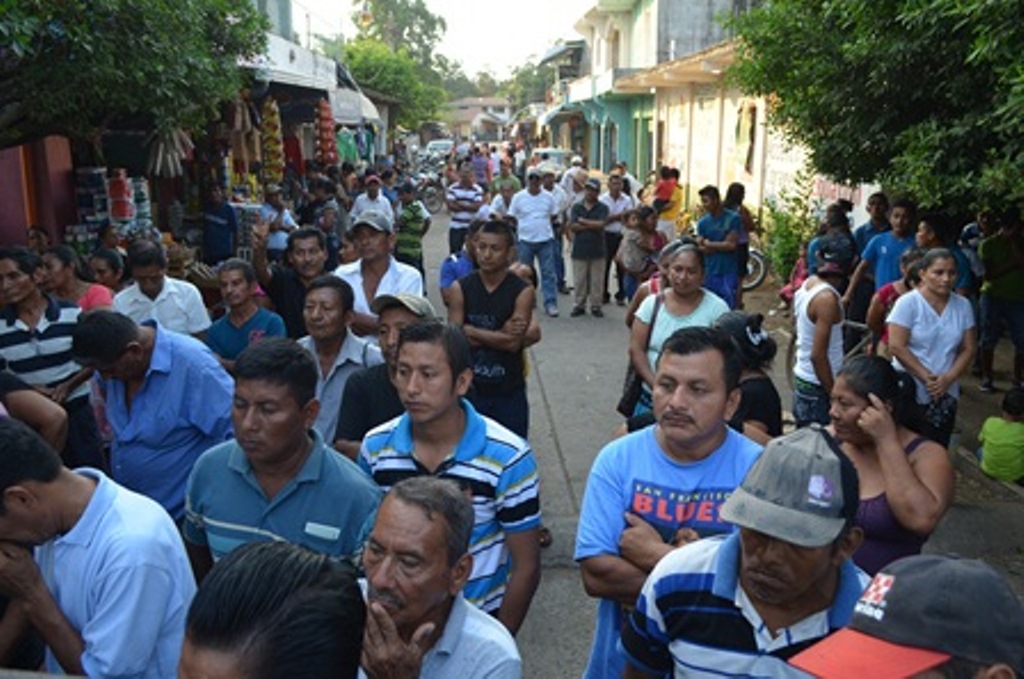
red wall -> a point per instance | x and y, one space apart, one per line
36 185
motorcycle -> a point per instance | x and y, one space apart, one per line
430 190
757 269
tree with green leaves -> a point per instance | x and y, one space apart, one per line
401 23
926 97
76 67
528 84
393 72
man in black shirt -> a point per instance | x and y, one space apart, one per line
286 286
494 307
370 398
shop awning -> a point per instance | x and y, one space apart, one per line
352 108
561 110
288 63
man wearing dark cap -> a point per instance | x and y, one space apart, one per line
376 272
411 224
370 397
742 604
586 222
818 314
927 616
371 199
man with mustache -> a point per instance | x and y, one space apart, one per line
664 485
741 604
417 561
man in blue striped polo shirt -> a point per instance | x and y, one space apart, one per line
442 435
740 605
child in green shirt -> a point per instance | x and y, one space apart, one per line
1002 440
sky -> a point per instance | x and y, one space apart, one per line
484 35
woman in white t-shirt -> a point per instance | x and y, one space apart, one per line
932 337
682 304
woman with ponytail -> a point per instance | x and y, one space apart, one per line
906 480
759 413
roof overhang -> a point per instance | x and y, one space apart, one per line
706 66
562 50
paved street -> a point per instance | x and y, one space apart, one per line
575 376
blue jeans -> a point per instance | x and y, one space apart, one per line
723 285
559 257
545 255
629 284
810 403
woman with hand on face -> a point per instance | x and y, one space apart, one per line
67 280
932 337
682 303
906 481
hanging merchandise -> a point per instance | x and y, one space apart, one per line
347 149
326 143
241 128
273 142
167 152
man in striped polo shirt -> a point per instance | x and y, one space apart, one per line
442 435
35 345
464 198
741 604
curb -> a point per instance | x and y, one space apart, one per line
968 459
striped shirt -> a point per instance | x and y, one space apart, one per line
692 616
494 465
41 356
457 193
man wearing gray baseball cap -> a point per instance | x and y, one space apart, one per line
927 616
742 604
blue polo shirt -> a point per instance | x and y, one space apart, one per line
228 342
182 410
122 579
716 229
328 506
491 463
692 616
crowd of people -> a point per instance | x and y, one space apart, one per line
331 479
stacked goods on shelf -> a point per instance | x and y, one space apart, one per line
273 143
247 215
326 142
91 200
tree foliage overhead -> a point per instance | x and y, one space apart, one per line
376 66
74 67
402 23
529 83
925 96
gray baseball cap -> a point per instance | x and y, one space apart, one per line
418 305
801 490
375 219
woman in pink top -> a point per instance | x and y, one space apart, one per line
883 301
66 279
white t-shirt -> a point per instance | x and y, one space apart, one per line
934 339
704 315
616 207
533 215
498 206
178 307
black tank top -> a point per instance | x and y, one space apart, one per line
494 371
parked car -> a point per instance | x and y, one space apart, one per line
556 157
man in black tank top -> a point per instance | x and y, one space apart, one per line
494 308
